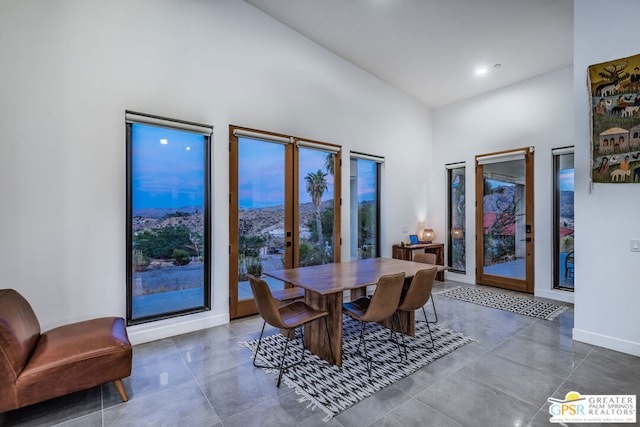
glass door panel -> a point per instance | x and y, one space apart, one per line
503 219
504 248
261 217
316 213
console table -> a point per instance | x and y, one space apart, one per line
406 252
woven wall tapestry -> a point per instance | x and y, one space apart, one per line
614 89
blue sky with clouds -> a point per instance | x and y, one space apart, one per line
261 173
168 171
566 180
170 174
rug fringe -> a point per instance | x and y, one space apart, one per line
556 313
306 398
444 291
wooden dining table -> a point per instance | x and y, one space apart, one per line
324 286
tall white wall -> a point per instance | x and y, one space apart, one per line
538 113
70 68
607 300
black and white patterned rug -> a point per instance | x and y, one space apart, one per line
334 389
514 303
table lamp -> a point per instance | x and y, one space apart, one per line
428 235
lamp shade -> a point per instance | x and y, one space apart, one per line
456 233
428 235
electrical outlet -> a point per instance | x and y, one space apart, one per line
635 245
405 229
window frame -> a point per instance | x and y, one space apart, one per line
132 117
450 241
556 153
379 161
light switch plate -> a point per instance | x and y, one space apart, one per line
635 245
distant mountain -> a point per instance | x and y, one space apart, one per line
193 221
566 204
260 220
162 212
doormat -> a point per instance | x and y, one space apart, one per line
332 389
513 303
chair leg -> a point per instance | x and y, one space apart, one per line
429 329
255 356
284 356
364 345
396 316
433 304
121 391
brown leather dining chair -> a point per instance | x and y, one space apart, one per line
417 296
289 316
381 306
427 258
287 295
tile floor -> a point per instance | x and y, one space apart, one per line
206 379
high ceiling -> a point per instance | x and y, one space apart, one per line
431 48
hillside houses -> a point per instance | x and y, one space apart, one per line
618 140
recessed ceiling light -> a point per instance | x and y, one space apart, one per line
164 141
481 70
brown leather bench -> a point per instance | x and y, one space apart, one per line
36 367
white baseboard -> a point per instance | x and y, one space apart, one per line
554 294
606 341
457 277
152 331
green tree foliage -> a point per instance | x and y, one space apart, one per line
326 219
329 163
310 255
181 257
366 223
160 243
249 245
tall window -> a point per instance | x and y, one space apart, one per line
365 206
563 271
168 217
456 197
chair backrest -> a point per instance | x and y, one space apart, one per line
425 258
19 334
267 305
419 290
385 299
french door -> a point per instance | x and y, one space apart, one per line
504 220
284 208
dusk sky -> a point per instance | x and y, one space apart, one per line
168 171
566 180
261 173
367 181
168 168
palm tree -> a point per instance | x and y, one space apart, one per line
316 186
328 163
